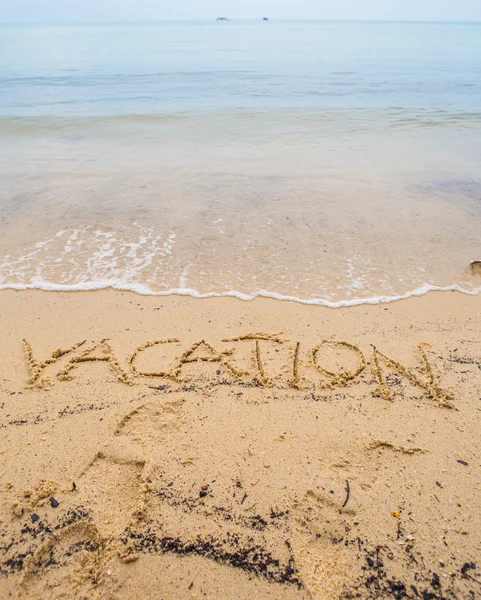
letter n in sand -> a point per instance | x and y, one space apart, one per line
428 382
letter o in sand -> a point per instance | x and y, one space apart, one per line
342 377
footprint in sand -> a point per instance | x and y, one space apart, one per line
151 422
66 565
112 487
321 543
318 539
114 491
74 562
354 544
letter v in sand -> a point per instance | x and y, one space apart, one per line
87 356
36 367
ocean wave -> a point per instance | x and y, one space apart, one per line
345 119
144 290
150 262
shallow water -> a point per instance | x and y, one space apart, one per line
331 162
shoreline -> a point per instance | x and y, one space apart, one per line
141 290
177 459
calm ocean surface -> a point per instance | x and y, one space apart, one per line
330 162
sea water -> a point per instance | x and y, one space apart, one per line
327 162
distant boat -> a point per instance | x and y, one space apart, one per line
222 19
265 19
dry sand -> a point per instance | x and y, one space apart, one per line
251 473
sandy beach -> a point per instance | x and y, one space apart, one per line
171 447
240 301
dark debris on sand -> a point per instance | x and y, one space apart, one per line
423 584
254 560
375 582
14 552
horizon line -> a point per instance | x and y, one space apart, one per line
235 19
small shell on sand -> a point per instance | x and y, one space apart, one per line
476 267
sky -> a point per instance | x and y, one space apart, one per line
71 11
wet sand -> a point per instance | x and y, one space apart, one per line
184 448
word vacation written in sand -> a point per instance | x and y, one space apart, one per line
327 365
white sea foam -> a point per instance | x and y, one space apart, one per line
144 262
88 254
144 290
